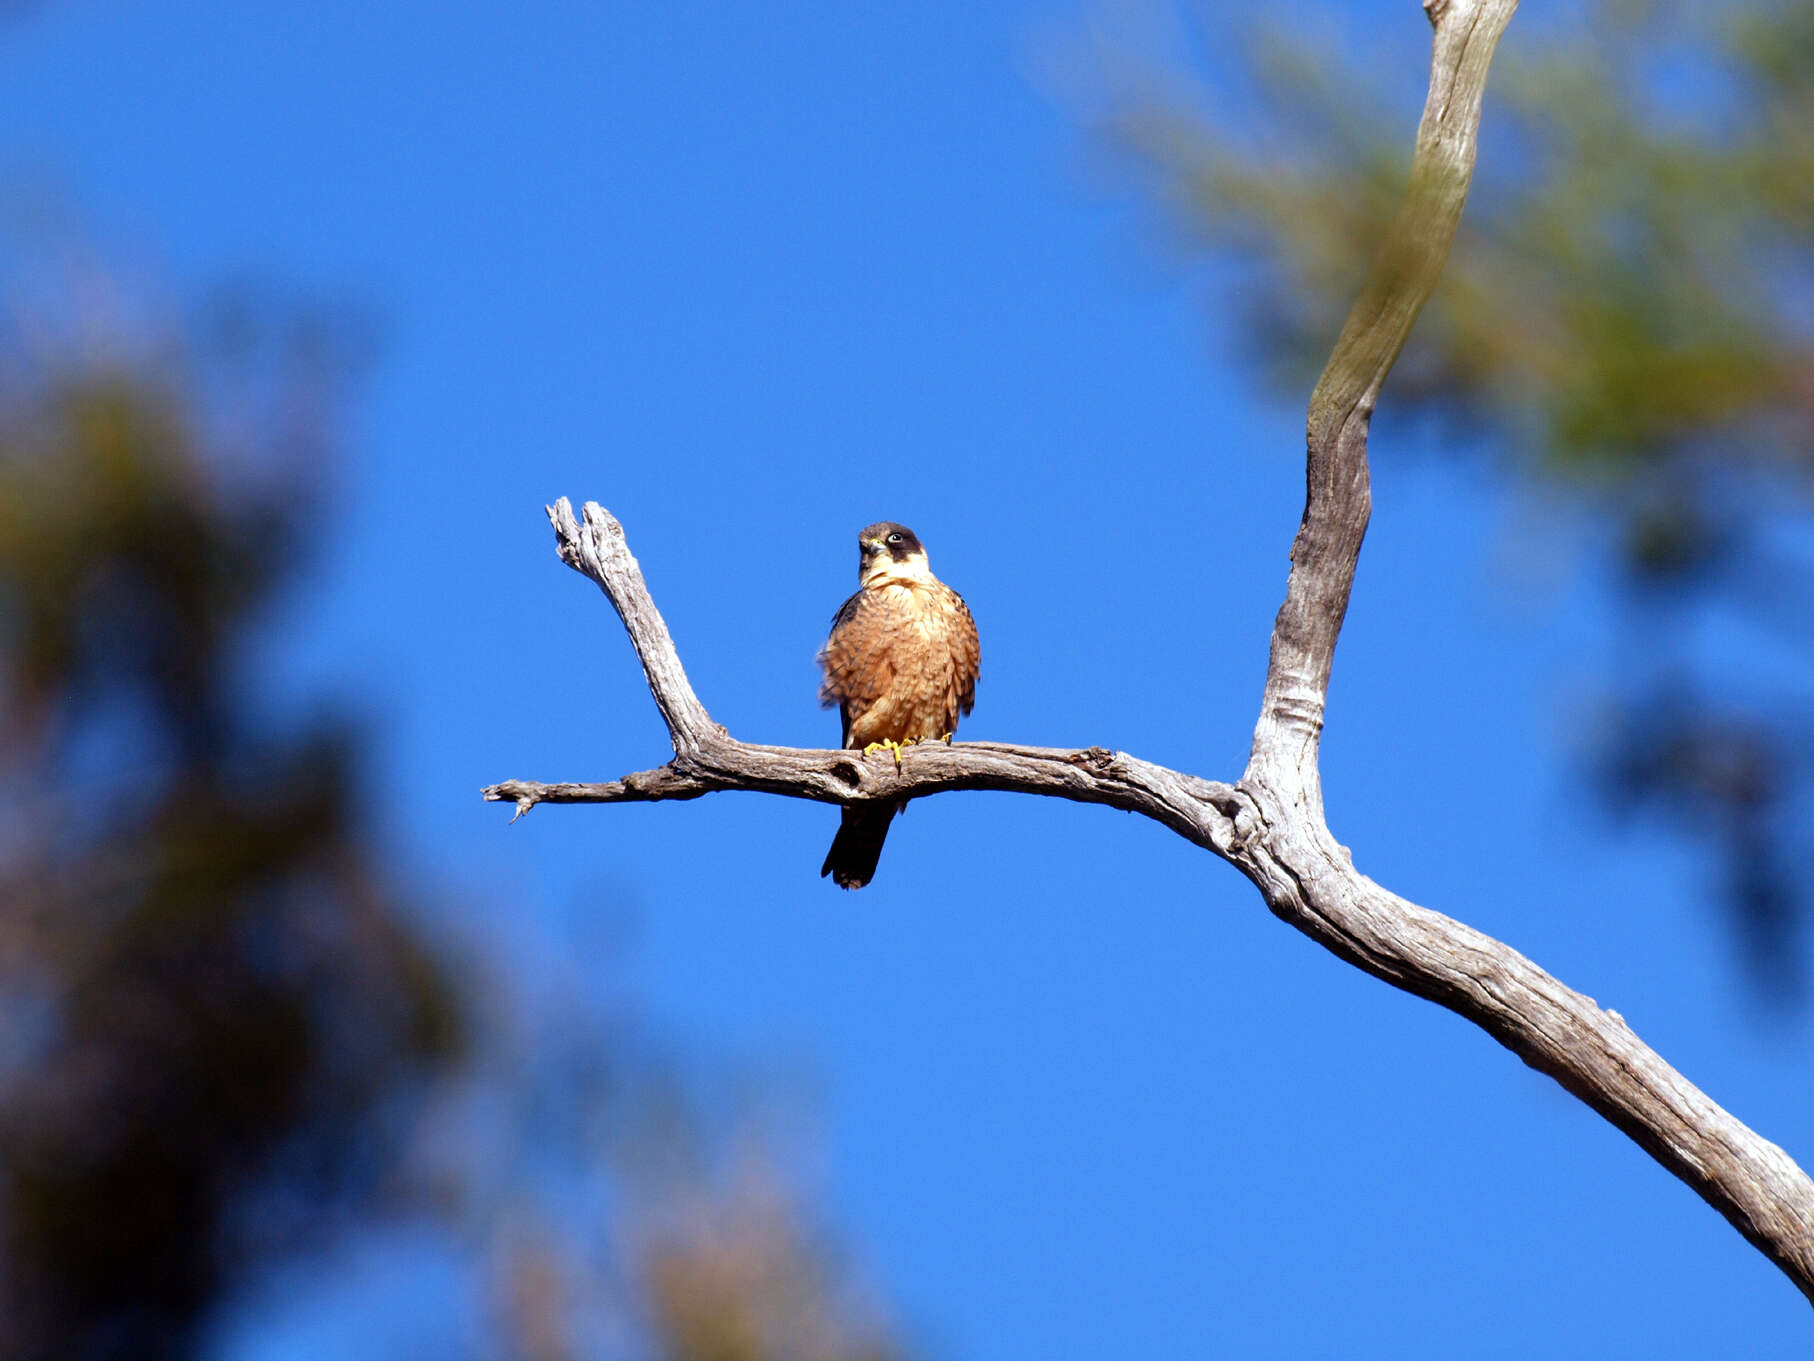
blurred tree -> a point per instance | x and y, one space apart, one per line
216 1007
224 1028
624 1200
1624 323
710 1251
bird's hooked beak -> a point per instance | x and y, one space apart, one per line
871 547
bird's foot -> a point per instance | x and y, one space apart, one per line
894 747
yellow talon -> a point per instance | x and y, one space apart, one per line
894 747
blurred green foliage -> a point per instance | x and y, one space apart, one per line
1626 324
229 1034
217 1004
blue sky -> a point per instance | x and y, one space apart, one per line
754 277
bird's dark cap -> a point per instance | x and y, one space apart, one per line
885 536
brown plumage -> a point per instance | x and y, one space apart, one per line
901 665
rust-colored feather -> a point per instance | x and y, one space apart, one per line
901 665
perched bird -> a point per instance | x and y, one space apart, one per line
901 664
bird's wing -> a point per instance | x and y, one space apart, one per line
966 655
858 668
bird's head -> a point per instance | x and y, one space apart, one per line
891 552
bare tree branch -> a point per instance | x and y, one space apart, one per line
708 760
1339 498
1270 824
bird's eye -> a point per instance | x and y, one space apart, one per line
894 538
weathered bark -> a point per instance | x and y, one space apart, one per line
1269 824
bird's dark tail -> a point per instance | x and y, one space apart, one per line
851 861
